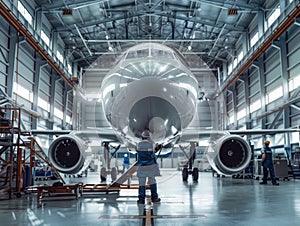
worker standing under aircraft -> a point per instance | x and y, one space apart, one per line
147 168
267 162
125 162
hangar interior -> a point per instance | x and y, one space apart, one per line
244 54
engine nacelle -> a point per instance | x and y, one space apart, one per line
229 155
68 154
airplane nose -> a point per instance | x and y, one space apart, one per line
157 128
156 114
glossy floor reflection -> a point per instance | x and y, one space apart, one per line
211 201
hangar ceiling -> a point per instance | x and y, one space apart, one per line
93 28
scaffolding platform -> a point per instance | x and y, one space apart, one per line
89 189
45 192
53 191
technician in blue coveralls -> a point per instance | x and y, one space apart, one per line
267 162
126 162
147 167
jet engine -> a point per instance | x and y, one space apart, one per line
229 155
68 154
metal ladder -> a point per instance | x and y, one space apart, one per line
127 174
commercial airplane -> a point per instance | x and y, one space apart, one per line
151 88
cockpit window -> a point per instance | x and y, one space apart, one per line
138 54
161 53
142 53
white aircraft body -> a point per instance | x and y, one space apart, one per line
151 88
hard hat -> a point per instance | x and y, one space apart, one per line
267 142
125 155
145 134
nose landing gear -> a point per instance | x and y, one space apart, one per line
188 168
186 172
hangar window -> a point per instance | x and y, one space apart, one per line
229 68
255 106
274 95
58 113
45 38
69 68
275 14
231 119
22 91
254 39
294 83
241 114
59 56
240 56
235 62
43 104
68 119
24 12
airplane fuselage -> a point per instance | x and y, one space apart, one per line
150 88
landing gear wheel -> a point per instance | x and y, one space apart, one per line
114 173
103 174
195 174
185 174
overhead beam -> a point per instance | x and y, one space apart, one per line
295 107
251 7
217 39
168 14
147 40
76 4
84 42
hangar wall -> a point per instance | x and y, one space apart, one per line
32 83
266 96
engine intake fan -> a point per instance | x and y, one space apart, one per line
231 154
67 154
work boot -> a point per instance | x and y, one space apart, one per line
276 184
141 201
142 195
263 182
156 200
154 195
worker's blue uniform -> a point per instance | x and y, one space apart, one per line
126 162
147 167
268 165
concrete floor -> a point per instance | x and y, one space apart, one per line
211 201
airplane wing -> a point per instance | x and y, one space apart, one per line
195 135
262 131
229 152
104 134
189 135
50 132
